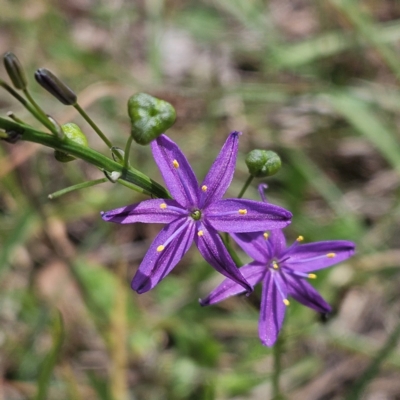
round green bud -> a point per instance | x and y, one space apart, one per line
263 163
72 132
149 117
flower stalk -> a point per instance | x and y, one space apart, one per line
142 183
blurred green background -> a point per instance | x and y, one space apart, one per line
318 82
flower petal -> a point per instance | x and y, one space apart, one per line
239 215
214 252
278 242
255 245
304 293
158 264
272 312
176 171
252 272
155 210
220 175
313 256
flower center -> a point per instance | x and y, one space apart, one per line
196 215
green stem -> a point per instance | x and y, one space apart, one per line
41 118
82 185
127 151
245 186
277 353
231 251
94 126
14 117
42 115
89 155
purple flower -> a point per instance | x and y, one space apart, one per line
196 213
283 272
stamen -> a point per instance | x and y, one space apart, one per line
175 164
161 247
277 281
266 235
200 233
286 302
304 260
163 206
300 239
204 188
312 276
331 255
243 212
275 265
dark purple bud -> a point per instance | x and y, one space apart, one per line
15 71
53 85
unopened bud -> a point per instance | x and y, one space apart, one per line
149 117
53 85
263 163
15 71
72 132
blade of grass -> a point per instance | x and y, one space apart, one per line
373 369
365 26
51 359
366 121
17 236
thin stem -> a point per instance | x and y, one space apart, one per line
127 151
231 251
133 187
11 115
245 186
277 353
82 185
131 175
41 118
94 126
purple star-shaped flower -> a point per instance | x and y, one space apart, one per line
196 213
283 272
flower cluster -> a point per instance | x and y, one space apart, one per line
197 212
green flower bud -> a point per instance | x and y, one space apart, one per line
149 117
15 71
72 132
53 85
263 163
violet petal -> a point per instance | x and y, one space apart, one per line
214 252
255 245
304 293
272 312
156 265
181 181
252 272
314 256
239 215
220 175
146 211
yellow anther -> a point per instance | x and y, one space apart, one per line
200 233
163 206
160 248
266 235
204 188
243 212
312 276
175 164
286 302
300 239
275 265
331 255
